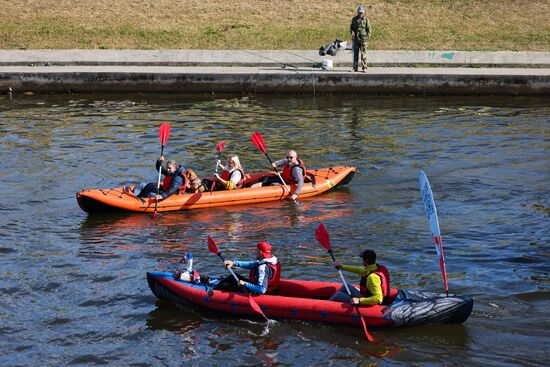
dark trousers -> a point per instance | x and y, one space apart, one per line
229 284
208 185
150 188
271 181
359 50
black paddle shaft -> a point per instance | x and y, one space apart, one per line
270 161
158 186
332 255
276 170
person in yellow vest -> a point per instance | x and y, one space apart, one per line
374 284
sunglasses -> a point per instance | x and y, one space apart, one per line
289 157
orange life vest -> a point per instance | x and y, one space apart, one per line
384 275
287 171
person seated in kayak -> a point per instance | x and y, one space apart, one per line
175 181
374 283
265 273
232 176
294 172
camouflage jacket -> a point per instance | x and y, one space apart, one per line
361 27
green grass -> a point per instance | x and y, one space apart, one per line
286 24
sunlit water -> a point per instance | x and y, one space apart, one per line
73 286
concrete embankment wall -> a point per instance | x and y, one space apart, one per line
427 72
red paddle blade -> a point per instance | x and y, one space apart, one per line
164 132
259 142
220 146
367 334
322 236
255 306
212 246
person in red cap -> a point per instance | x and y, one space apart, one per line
265 272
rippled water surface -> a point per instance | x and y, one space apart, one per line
73 285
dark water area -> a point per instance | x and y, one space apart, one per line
73 285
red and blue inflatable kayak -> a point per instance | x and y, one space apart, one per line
308 300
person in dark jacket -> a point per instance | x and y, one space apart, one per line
172 183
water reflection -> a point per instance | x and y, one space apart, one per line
283 339
81 279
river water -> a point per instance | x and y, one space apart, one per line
73 286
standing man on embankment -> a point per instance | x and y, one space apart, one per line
360 33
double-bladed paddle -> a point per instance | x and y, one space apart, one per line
164 133
258 141
322 236
431 213
214 249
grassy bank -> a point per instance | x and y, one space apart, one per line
286 24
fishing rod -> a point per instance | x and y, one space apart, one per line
283 64
305 58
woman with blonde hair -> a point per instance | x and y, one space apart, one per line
232 176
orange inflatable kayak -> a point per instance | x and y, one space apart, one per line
122 199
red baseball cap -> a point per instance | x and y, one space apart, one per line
265 249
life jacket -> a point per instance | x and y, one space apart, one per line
287 171
167 181
273 281
384 275
226 176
